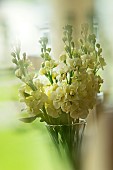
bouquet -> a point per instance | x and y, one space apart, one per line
64 90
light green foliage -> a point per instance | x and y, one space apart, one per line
9 93
28 147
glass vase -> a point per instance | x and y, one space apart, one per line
68 138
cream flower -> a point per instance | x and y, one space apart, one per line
66 106
42 71
66 87
52 111
34 100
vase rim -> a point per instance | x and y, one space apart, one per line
82 121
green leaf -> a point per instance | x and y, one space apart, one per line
26 94
28 119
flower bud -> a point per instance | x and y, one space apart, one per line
42 71
47 64
24 56
18 73
14 60
62 57
13 54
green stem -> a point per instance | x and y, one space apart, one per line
70 54
77 132
49 76
33 87
47 118
70 79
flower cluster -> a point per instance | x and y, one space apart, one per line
64 90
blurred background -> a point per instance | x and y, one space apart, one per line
28 146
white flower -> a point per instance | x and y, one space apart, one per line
66 106
52 111
66 87
90 71
84 57
18 73
61 68
75 114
